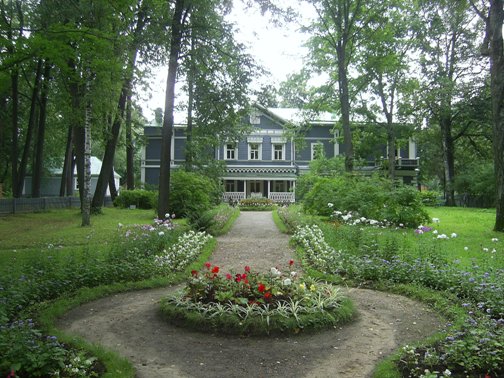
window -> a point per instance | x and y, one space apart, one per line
279 186
278 151
230 151
317 151
230 186
254 151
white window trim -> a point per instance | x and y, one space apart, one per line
273 151
226 151
259 152
313 145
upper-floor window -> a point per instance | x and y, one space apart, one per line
254 151
230 151
317 151
278 151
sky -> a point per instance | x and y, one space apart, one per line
279 49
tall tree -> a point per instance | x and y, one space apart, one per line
338 32
178 23
492 13
385 60
448 62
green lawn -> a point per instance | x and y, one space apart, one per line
59 233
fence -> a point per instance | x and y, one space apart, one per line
31 205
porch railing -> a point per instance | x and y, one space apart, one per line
233 196
281 196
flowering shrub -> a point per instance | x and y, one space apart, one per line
474 348
26 352
256 204
249 302
354 219
181 254
132 258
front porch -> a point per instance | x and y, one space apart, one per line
276 190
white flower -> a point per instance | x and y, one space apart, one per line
119 225
494 250
446 373
293 274
287 282
466 248
442 236
330 204
435 232
435 220
160 233
453 235
275 272
167 215
495 240
485 249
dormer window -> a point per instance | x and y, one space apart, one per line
278 151
230 152
254 151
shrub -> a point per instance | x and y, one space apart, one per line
142 199
372 198
217 220
256 204
192 194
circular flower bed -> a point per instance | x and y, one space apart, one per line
256 304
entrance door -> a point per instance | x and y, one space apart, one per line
255 189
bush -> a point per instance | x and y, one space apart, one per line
142 199
372 198
430 197
257 204
218 220
192 194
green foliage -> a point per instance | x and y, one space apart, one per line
372 198
256 204
430 197
192 194
257 304
141 199
472 344
218 220
477 182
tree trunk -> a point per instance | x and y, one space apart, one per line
495 20
345 109
86 204
165 164
38 165
67 165
130 150
448 158
189 158
14 146
112 186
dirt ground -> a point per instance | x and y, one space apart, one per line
130 324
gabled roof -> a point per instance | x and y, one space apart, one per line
96 165
298 116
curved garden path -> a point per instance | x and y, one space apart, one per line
130 324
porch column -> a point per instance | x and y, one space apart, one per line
244 188
269 186
294 190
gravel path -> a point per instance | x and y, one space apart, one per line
130 324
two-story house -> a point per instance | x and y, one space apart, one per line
267 162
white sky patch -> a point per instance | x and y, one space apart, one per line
279 49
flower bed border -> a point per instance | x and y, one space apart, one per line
230 324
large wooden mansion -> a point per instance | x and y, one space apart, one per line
265 163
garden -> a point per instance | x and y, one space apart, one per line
447 258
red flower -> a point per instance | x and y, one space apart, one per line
215 269
291 262
12 374
238 277
267 296
244 276
208 265
194 273
247 268
228 276
261 288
